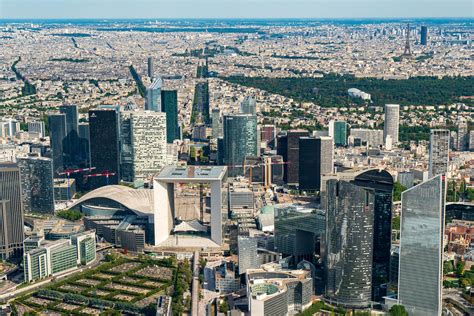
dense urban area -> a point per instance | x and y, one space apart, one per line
237 167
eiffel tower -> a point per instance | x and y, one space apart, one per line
407 51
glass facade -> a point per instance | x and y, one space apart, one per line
240 141
63 258
349 244
169 104
57 133
315 159
340 133
87 250
421 248
153 96
37 184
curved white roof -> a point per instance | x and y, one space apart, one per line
137 200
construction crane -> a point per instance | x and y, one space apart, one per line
105 174
68 172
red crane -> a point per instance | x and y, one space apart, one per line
68 172
105 174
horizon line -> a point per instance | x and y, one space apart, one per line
240 18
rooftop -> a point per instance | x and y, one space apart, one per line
207 173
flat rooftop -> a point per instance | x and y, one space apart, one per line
192 173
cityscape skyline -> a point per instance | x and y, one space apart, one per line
106 9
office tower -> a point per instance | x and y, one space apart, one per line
268 133
153 96
391 123
380 184
298 231
316 157
84 155
439 152
424 35
37 127
407 178
9 127
169 105
150 67
368 137
247 251
421 248
148 135
216 121
463 136
292 155
11 211
240 141
72 135
126 147
104 145
349 244
340 133
249 106
57 135
37 184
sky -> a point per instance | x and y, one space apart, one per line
60 9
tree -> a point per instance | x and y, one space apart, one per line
398 188
460 268
71 215
398 310
224 307
396 222
448 267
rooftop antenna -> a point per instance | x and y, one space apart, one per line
407 51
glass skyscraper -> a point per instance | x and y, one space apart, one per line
153 96
421 248
57 133
169 105
249 106
349 244
340 133
71 141
315 159
240 141
104 145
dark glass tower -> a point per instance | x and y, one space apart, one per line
57 133
240 141
37 184
71 142
104 145
381 182
348 244
293 154
424 35
169 105
315 159
11 212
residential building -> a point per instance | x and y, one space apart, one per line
439 152
391 123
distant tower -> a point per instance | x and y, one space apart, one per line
407 51
424 35
150 67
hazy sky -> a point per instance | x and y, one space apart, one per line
234 8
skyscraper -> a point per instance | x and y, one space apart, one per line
148 135
340 133
249 106
57 134
439 152
463 136
71 148
268 133
104 145
169 105
424 35
421 248
11 212
37 127
240 141
153 96
293 155
391 123
150 67
84 154
349 244
37 184
248 259
216 121
315 159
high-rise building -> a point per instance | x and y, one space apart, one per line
216 121
57 134
148 135
268 133
338 131
84 155
424 35
11 211
421 248
463 136
349 244
439 152
248 259
391 123
169 105
37 184
316 157
104 145
150 67
153 96
71 148
249 106
293 155
37 127
240 141
367 137
126 147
